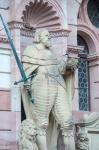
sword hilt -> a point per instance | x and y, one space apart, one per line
29 92
17 82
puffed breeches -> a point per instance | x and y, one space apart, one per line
49 96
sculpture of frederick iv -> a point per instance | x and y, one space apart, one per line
51 110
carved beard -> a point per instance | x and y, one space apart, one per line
47 44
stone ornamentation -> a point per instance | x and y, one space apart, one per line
27 136
82 141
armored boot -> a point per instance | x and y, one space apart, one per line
41 139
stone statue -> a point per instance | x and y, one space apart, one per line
51 97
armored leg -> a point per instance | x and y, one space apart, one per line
63 116
41 139
44 100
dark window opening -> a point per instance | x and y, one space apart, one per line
93 12
83 76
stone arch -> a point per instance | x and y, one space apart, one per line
89 36
83 15
22 6
83 11
79 5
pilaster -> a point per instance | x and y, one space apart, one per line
15 75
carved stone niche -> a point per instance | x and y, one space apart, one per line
87 133
40 14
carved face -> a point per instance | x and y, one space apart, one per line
44 38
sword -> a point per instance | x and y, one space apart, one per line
22 72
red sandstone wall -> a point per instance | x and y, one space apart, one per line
8 122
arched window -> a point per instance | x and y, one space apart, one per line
93 12
83 76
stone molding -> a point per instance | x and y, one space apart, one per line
59 33
16 25
94 57
3 40
89 120
88 123
29 32
93 60
75 49
90 37
5 89
85 28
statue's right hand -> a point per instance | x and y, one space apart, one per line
27 86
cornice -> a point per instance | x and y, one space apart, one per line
93 57
91 120
75 49
28 31
5 89
59 33
17 25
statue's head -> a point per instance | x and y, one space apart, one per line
42 36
